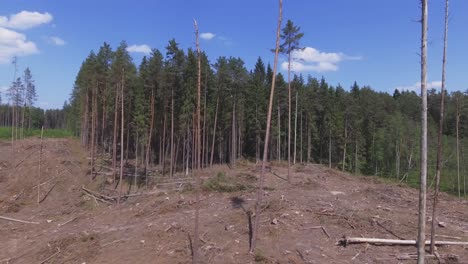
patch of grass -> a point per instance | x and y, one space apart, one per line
223 183
259 257
5 133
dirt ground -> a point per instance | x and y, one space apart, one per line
70 227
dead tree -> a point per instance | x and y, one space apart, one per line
267 136
198 152
439 136
423 175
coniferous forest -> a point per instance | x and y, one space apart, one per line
351 127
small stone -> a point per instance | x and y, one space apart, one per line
274 221
442 224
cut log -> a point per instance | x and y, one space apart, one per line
378 241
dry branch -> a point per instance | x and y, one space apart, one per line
47 193
378 241
69 221
17 220
53 255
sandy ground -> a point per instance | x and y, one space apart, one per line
70 227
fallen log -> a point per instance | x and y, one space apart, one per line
17 220
393 242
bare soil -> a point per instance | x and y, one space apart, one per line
158 228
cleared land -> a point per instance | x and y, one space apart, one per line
73 227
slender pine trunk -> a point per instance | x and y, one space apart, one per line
423 171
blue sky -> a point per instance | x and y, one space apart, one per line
372 42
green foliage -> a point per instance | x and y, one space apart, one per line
223 183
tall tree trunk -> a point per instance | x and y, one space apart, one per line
136 163
255 229
172 132
309 140
233 135
301 149
214 131
458 146
121 136
114 144
423 176
289 114
93 127
329 148
197 190
397 159
345 142
356 159
163 154
103 124
439 136
295 132
279 133
150 134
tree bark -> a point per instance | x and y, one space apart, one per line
121 135
114 144
258 203
197 173
289 114
423 176
214 131
439 136
295 132
150 134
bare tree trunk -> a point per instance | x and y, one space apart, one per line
356 159
397 159
172 132
204 143
423 176
197 174
295 132
289 116
458 146
150 134
255 229
329 148
93 128
345 142
136 162
233 135
114 144
214 132
301 138
439 136
309 140
103 125
121 136
163 154
279 133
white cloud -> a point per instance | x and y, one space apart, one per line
56 41
13 44
311 59
207 35
3 88
25 20
417 86
139 48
